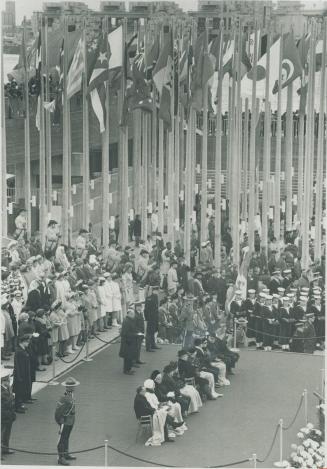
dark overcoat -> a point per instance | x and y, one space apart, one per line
128 344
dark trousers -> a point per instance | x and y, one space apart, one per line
127 364
149 339
5 435
139 346
63 443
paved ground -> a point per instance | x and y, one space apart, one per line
266 386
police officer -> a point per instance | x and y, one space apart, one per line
65 417
8 415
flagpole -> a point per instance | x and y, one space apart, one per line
278 144
124 155
86 144
161 176
253 144
4 200
170 156
65 160
218 154
144 220
137 148
154 124
308 151
48 125
245 161
289 157
204 160
177 137
27 139
266 152
300 159
42 204
320 151
105 155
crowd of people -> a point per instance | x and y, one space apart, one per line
55 297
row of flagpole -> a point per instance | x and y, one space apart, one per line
158 152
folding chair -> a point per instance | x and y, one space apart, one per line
145 424
190 381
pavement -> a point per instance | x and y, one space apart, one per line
267 386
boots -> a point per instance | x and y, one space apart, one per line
62 461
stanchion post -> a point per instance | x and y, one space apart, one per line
235 324
254 459
305 397
87 358
53 381
281 463
322 371
106 453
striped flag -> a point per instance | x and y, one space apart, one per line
97 85
75 73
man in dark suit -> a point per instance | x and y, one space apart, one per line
22 374
128 345
139 322
8 415
151 316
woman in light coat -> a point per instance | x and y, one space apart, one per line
116 300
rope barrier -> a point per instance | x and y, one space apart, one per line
71 361
287 427
284 337
104 341
271 447
52 454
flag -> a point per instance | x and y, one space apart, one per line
203 70
247 80
50 106
116 43
99 76
291 62
185 64
38 81
163 79
75 73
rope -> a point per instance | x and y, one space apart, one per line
271 447
71 361
284 337
287 427
52 454
104 341
237 463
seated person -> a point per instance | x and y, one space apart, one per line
219 350
175 408
188 369
185 394
198 358
142 408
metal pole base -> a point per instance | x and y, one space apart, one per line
281 464
53 383
87 359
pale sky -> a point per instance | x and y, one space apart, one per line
26 7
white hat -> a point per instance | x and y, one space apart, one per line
266 290
269 297
17 293
106 275
281 289
305 289
102 279
238 292
149 384
286 298
203 245
303 298
275 295
262 295
251 291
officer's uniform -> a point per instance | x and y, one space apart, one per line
65 417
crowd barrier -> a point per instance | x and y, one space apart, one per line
254 459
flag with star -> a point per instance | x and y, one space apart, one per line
97 83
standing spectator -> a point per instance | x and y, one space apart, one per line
172 279
128 287
139 321
116 300
22 374
128 346
151 315
51 237
137 227
21 225
80 244
186 319
8 415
